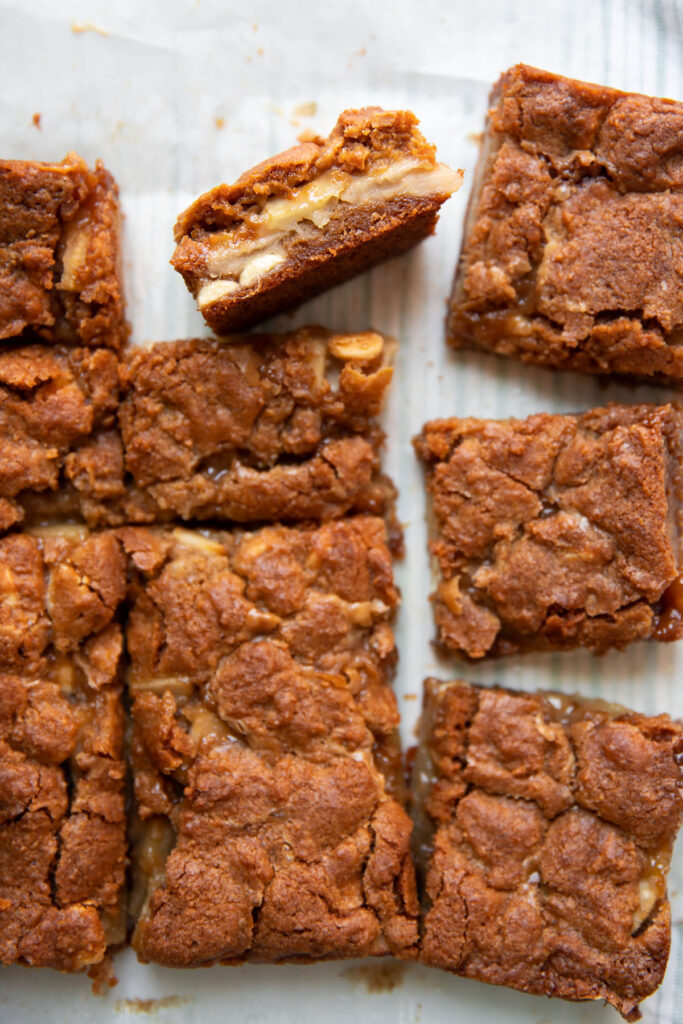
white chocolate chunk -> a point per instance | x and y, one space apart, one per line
74 256
212 291
650 889
364 346
204 545
161 684
258 266
61 531
205 723
309 200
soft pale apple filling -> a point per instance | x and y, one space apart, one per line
235 262
152 843
651 888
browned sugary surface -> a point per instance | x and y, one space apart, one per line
359 139
573 255
556 531
552 821
60 253
356 237
277 427
62 823
55 404
258 430
264 746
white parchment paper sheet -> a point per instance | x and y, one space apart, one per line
176 96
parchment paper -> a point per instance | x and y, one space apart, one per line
176 96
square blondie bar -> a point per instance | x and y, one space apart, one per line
572 256
556 531
60 273
278 427
266 764
58 406
548 829
62 820
311 217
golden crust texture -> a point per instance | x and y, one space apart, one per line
60 273
572 255
551 822
264 746
62 821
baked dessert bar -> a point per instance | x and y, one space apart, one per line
277 427
60 253
57 405
556 531
546 841
572 255
62 824
311 217
264 746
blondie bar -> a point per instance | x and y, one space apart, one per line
62 823
265 755
279 427
573 255
60 253
57 406
311 217
556 531
546 841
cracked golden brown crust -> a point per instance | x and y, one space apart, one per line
254 432
55 404
552 822
556 531
573 179
60 253
279 427
356 237
62 823
262 717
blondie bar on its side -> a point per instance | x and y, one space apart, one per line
60 273
62 821
265 752
546 841
556 531
311 217
573 253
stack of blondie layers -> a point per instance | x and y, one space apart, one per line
196 568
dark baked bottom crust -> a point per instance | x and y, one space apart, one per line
264 747
556 531
62 822
546 851
572 180
351 243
